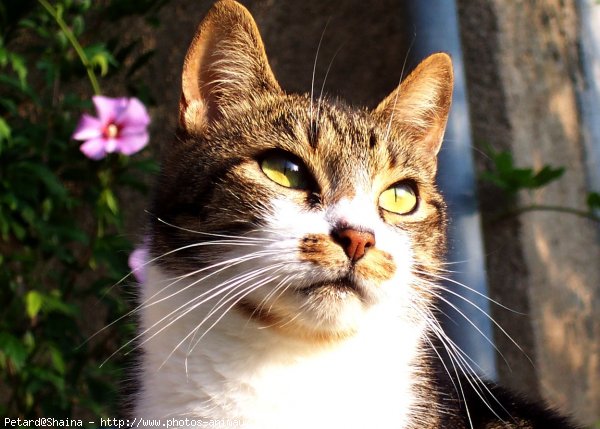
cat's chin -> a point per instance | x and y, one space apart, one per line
323 311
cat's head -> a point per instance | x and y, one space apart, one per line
303 214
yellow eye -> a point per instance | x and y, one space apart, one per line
285 171
400 198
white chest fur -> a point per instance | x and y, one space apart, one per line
241 372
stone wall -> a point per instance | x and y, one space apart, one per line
523 72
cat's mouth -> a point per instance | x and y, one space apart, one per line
339 287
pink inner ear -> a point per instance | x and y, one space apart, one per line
419 107
433 139
190 78
191 107
225 63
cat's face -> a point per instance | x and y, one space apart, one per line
311 214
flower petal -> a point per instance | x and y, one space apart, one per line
88 128
94 148
134 115
108 108
137 260
130 144
133 130
111 144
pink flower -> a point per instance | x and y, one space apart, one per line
121 126
137 262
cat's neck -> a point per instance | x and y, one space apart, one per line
241 369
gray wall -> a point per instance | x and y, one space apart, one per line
524 71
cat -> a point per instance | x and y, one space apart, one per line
296 245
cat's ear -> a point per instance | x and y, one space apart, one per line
419 107
225 64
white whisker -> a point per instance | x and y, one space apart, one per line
279 286
447 279
146 303
240 280
458 356
478 308
389 127
314 71
232 285
212 234
245 292
464 316
323 87
179 249
167 316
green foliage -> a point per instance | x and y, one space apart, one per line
62 243
593 201
511 179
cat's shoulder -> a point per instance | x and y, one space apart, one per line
481 404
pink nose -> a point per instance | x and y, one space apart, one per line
355 243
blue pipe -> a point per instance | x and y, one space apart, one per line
436 29
589 92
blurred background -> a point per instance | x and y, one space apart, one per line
68 223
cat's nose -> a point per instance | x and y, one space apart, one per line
354 242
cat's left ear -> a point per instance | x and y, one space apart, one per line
418 109
225 66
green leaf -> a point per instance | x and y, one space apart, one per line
63 40
13 349
16 61
4 130
53 184
520 178
84 5
493 178
77 25
504 162
101 62
107 198
146 165
29 341
593 201
100 57
33 303
57 360
18 85
546 175
53 303
9 105
10 201
18 230
18 65
28 23
3 55
508 177
43 374
59 8
67 233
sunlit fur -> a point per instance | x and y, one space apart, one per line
252 309
260 307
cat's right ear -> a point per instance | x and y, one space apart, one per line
226 65
418 109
